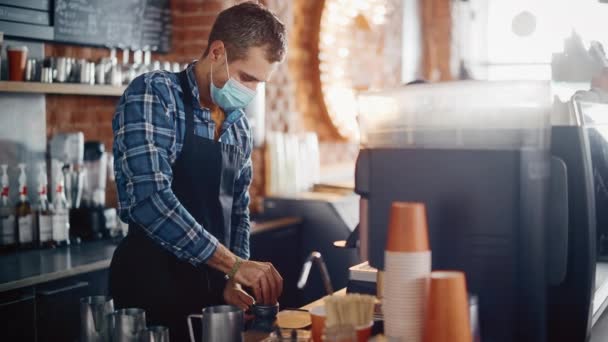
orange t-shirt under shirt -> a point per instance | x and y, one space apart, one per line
218 116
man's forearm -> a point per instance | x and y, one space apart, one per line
163 209
222 260
240 237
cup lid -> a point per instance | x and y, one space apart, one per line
17 48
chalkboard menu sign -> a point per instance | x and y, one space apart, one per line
156 25
134 24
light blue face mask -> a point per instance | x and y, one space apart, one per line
233 95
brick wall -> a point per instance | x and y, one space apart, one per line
192 20
437 33
293 97
375 60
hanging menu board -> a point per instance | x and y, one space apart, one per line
133 24
156 25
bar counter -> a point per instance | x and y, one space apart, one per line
33 267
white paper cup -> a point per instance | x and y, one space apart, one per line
405 290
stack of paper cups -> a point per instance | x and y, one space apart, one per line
407 266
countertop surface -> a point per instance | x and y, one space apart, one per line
256 336
599 332
28 268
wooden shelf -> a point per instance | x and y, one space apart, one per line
60 88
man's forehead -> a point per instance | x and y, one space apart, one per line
256 64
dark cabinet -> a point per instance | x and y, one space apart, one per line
17 314
281 247
58 304
58 311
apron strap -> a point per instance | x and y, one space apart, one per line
188 109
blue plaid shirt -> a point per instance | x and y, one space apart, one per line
149 127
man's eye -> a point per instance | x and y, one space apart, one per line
247 78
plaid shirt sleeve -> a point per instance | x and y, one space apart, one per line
144 148
240 209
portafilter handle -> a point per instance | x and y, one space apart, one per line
352 241
318 259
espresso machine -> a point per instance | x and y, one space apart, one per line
510 196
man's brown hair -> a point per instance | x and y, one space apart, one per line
247 25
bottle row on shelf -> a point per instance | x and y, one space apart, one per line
24 225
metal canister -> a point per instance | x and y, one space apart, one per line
83 71
156 66
100 72
116 77
70 69
46 75
31 70
91 70
62 69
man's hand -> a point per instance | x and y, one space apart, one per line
234 295
263 279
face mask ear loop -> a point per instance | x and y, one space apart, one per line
226 56
211 71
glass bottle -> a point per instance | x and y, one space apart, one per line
8 239
60 214
23 213
43 210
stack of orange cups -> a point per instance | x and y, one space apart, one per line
447 314
407 266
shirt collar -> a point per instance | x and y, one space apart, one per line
192 82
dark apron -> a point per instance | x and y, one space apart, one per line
145 275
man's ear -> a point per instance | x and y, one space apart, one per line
216 50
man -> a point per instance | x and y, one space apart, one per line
182 149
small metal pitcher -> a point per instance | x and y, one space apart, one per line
128 325
95 319
155 334
222 323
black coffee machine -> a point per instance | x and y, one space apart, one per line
509 186
88 222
